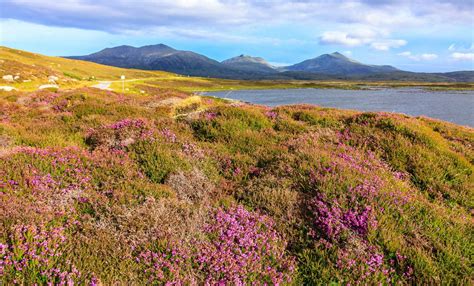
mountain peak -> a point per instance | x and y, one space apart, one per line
157 46
338 64
249 63
246 59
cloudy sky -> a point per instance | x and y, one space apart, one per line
413 35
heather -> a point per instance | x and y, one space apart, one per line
164 187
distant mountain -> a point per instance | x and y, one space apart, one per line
324 67
250 64
162 57
338 64
461 76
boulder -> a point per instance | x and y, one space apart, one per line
52 78
7 88
52 86
8 77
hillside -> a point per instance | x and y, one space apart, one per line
338 64
33 71
161 57
333 66
156 185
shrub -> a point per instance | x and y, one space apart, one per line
119 134
240 247
156 161
33 255
191 186
244 248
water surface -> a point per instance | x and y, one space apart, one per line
453 106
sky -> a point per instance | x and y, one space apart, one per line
423 36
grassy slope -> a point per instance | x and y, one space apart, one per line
356 198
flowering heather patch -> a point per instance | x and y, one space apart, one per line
241 248
33 255
331 220
49 184
192 150
345 232
271 114
348 197
120 134
244 249
169 135
210 115
38 99
170 266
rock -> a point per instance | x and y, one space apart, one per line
52 78
26 80
7 88
16 77
48 86
8 77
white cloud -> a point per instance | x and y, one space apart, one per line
341 38
463 56
428 57
405 54
359 36
116 16
420 57
460 48
385 45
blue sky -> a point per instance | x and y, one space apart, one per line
412 35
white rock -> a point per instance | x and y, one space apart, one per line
7 88
52 78
26 80
8 77
48 86
16 77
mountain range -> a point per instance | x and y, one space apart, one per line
327 66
